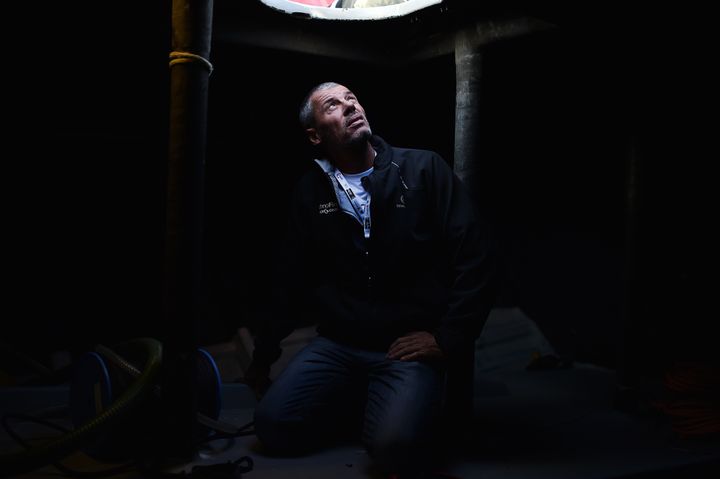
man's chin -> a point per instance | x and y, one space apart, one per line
360 137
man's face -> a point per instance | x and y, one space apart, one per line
339 119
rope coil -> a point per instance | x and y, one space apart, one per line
693 390
187 57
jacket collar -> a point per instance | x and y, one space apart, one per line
384 152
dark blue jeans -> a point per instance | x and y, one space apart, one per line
330 390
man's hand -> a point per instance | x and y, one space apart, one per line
258 378
415 346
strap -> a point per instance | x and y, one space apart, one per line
363 211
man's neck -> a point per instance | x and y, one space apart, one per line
355 160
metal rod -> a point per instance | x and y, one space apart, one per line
182 302
468 72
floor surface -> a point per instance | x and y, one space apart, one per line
558 423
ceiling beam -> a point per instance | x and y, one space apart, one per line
369 48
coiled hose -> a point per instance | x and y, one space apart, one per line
52 451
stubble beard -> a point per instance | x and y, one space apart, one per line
360 139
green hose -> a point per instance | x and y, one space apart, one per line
52 451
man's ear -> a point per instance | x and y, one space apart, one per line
313 136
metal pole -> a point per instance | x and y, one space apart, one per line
468 72
182 302
630 350
468 62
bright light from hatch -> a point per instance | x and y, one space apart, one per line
350 9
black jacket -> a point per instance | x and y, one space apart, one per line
426 266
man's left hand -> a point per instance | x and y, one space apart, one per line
415 346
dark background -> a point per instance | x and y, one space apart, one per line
565 113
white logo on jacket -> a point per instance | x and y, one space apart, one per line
327 208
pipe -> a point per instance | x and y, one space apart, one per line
182 301
468 73
468 63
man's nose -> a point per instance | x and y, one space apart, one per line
349 106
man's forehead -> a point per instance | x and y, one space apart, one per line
332 92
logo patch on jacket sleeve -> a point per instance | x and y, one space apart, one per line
327 208
401 202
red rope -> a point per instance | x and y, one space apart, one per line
693 401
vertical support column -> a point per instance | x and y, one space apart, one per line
468 72
630 349
468 63
182 301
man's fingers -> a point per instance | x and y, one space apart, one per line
409 337
399 341
413 346
410 357
399 351
418 355
397 345
421 354
402 349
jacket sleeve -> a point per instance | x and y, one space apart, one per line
288 288
470 253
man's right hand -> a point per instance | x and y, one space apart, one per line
257 377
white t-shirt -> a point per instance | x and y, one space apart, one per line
355 182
